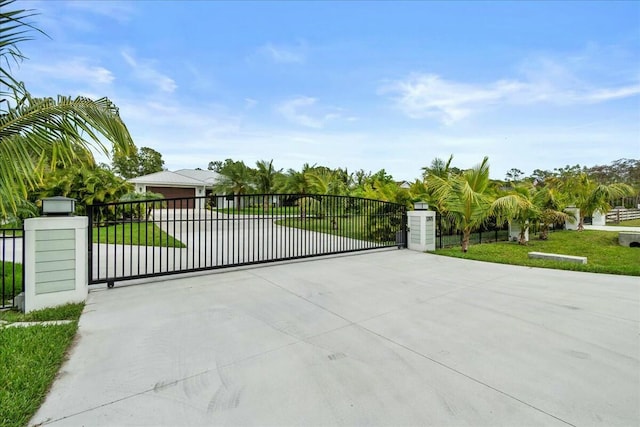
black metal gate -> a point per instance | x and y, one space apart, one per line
11 261
138 239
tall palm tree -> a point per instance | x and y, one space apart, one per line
466 197
30 127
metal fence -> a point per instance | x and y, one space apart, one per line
11 256
448 235
130 240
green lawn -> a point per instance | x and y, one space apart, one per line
604 254
352 227
10 276
629 223
136 233
30 358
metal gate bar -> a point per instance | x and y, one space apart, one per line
139 239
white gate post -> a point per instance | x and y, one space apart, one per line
55 264
422 230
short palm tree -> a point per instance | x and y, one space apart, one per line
551 204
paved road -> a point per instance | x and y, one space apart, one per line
392 337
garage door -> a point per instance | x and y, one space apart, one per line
171 192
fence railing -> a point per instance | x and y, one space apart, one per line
11 256
617 215
138 239
448 235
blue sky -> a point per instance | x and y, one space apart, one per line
362 85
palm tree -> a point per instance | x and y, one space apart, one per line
465 197
235 178
590 196
325 181
265 179
516 206
30 127
298 182
551 204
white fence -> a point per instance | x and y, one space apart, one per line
617 215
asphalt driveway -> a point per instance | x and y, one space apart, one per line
384 338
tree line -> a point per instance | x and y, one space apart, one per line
467 198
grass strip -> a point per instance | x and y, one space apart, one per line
627 223
137 234
30 358
604 254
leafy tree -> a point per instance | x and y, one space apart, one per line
216 165
32 126
513 175
143 162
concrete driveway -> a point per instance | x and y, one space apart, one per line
384 338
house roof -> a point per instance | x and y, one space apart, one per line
171 179
206 176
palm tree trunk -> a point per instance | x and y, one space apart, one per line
544 232
466 236
522 238
581 223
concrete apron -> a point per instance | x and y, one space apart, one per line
385 338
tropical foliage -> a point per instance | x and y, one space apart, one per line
37 133
88 184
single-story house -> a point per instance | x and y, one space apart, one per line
187 183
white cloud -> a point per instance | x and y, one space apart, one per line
76 69
144 71
284 54
543 82
250 103
305 111
120 11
